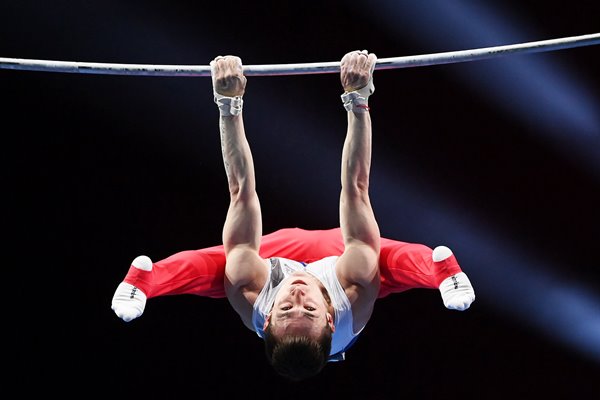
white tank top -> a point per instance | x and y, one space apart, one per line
324 270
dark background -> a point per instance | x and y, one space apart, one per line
99 169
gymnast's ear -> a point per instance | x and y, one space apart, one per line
330 322
267 321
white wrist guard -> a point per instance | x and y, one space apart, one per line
353 101
358 100
229 105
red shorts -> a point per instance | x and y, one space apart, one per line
201 272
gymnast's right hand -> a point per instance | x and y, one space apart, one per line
227 76
356 71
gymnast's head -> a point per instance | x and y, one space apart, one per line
299 328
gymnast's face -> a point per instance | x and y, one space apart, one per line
300 307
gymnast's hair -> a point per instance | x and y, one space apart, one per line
298 357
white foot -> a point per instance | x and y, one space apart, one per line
457 292
129 302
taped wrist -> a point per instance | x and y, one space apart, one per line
358 100
229 105
353 101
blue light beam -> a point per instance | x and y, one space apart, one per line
547 97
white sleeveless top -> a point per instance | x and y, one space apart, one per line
324 270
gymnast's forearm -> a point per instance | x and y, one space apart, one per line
237 157
243 224
356 155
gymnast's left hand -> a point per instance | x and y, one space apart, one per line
227 76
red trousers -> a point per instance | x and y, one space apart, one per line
201 272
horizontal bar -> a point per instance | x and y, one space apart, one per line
298 69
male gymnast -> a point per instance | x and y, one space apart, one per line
308 294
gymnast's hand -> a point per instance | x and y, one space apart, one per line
227 76
357 70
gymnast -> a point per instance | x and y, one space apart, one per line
307 293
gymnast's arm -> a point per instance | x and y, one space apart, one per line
357 267
245 270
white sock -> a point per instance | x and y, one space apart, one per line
129 302
457 291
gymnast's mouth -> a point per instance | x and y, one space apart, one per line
298 282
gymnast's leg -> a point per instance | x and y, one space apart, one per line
197 272
405 266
